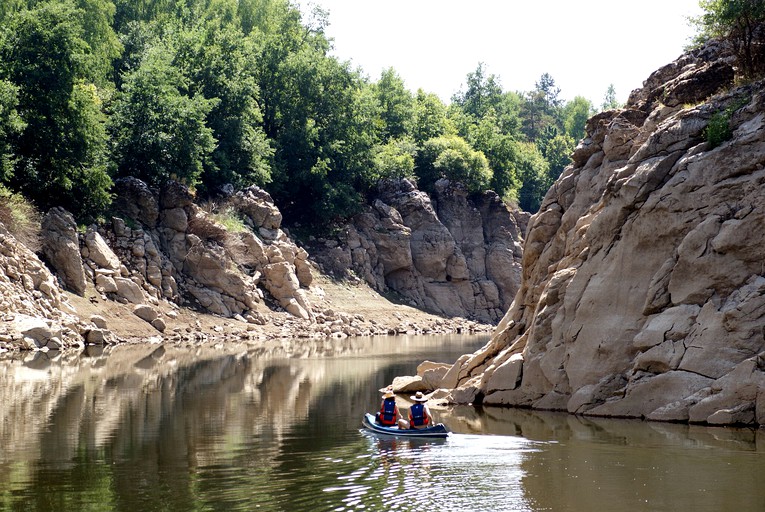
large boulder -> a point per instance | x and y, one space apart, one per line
258 207
61 247
97 250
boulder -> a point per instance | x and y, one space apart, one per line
61 247
136 201
98 321
258 206
410 384
34 333
145 313
129 290
175 195
99 251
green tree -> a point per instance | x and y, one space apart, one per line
533 171
499 148
61 151
451 157
738 22
430 118
10 7
98 32
219 62
320 115
396 105
395 159
542 109
11 126
482 93
557 152
158 131
609 99
575 115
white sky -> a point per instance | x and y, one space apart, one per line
585 45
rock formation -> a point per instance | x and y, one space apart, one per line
643 287
161 252
177 251
34 314
454 255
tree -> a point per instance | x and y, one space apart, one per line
557 152
482 93
609 99
219 62
451 157
541 109
11 126
61 151
321 116
396 106
575 114
430 118
395 159
549 92
159 132
105 47
532 170
736 21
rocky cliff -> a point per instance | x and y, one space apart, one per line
643 287
452 254
163 258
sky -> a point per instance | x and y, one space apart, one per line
584 45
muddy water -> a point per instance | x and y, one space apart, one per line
277 428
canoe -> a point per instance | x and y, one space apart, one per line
437 430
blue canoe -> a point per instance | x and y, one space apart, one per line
437 430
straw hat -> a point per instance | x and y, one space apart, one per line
419 397
387 392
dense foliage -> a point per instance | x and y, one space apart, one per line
216 92
741 23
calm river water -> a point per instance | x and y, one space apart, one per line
144 428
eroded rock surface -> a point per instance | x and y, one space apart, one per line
451 254
643 290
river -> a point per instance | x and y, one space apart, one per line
277 428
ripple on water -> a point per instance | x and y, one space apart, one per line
459 473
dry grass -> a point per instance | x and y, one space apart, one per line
21 218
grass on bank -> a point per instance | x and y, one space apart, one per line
21 218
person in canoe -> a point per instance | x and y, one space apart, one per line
419 414
389 415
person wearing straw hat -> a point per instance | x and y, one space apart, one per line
419 414
389 415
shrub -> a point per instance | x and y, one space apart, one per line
718 130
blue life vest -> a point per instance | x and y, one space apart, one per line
387 414
417 415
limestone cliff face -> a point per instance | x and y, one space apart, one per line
643 287
451 254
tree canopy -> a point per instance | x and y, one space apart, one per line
241 92
738 21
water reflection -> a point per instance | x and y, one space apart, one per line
276 427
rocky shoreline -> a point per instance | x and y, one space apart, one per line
164 268
643 292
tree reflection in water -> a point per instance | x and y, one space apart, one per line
277 427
